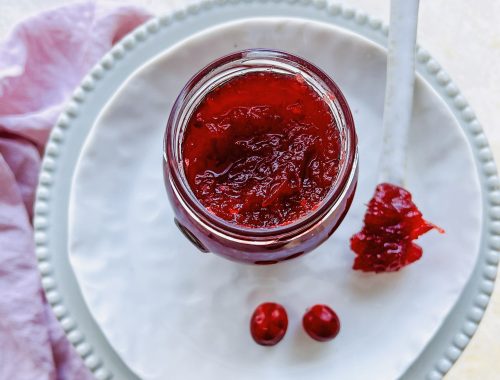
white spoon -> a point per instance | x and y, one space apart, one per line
392 220
399 90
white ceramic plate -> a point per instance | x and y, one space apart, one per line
147 287
163 305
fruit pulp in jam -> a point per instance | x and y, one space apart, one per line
392 221
262 149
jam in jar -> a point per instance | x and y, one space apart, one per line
260 157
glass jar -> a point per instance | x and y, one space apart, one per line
211 233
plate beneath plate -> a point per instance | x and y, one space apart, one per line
165 307
153 38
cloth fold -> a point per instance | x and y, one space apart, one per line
41 62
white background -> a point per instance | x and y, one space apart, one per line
464 36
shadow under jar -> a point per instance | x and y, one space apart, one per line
260 157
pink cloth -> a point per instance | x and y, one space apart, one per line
41 63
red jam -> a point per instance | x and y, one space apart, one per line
392 222
321 323
268 324
261 150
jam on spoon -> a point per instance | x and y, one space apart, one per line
392 222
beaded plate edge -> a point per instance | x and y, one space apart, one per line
425 62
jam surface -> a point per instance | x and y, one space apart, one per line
392 221
261 150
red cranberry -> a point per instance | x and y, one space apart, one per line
321 323
268 324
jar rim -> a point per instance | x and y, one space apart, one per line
214 223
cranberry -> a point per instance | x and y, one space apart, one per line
268 324
392 222
321 323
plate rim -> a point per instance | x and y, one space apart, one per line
473 300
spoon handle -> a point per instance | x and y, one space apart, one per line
399 89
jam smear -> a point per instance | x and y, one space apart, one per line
261 150
392 222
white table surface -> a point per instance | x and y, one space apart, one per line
464 36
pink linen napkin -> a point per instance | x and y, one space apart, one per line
41 62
